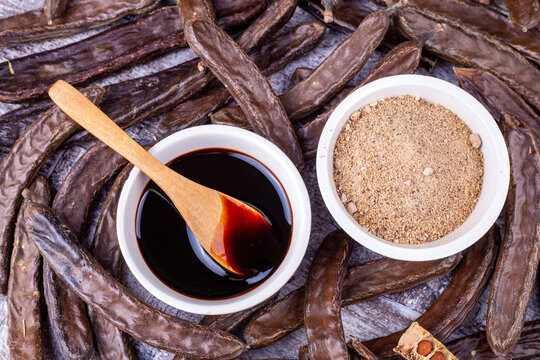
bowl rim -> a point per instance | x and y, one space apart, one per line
283 169
423 252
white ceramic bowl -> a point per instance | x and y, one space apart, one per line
496 164
217 136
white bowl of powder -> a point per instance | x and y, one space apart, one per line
348 214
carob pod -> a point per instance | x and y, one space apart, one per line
458 298
337 69
246 84
476 347
22 163
498 97
71 204
322 305
487 20
79 16
362 282
25 331
105 52
54 9
111 342
403 59
464 45
515 272
524 13
84 275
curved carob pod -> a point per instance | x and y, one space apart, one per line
25 337
498 97
79 16
524 13
22 163
246 84
82 61
515 272
71 204
476 347
322 305
487 20
464 45
54 9
337 69
362 282
457 300
403 59
84 275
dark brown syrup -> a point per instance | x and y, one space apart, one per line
176 257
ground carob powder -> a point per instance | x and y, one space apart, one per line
407 170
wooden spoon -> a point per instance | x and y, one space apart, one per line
212 216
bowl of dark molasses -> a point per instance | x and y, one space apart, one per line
162 252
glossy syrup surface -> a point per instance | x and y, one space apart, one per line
175 256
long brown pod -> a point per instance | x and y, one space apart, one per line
337 69
83 274
524 13
515 272
457 300
54 9
362 282
31 76
476 347
498 97
403 59
80 15
322 305
22 163
111 343
466 46
487 20
25 326
246 84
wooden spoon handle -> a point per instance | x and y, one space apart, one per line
90 117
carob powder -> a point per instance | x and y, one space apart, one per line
407 170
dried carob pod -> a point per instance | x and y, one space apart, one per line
362 282
22 163
403 59
25 325
246 84
269 58
458 298
322 305
54 9
524 13
79 16
78 269
475 346
469 47
498 97
337 69
417 343
82 61
488 21
515 272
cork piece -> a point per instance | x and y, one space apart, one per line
407 170
418 344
